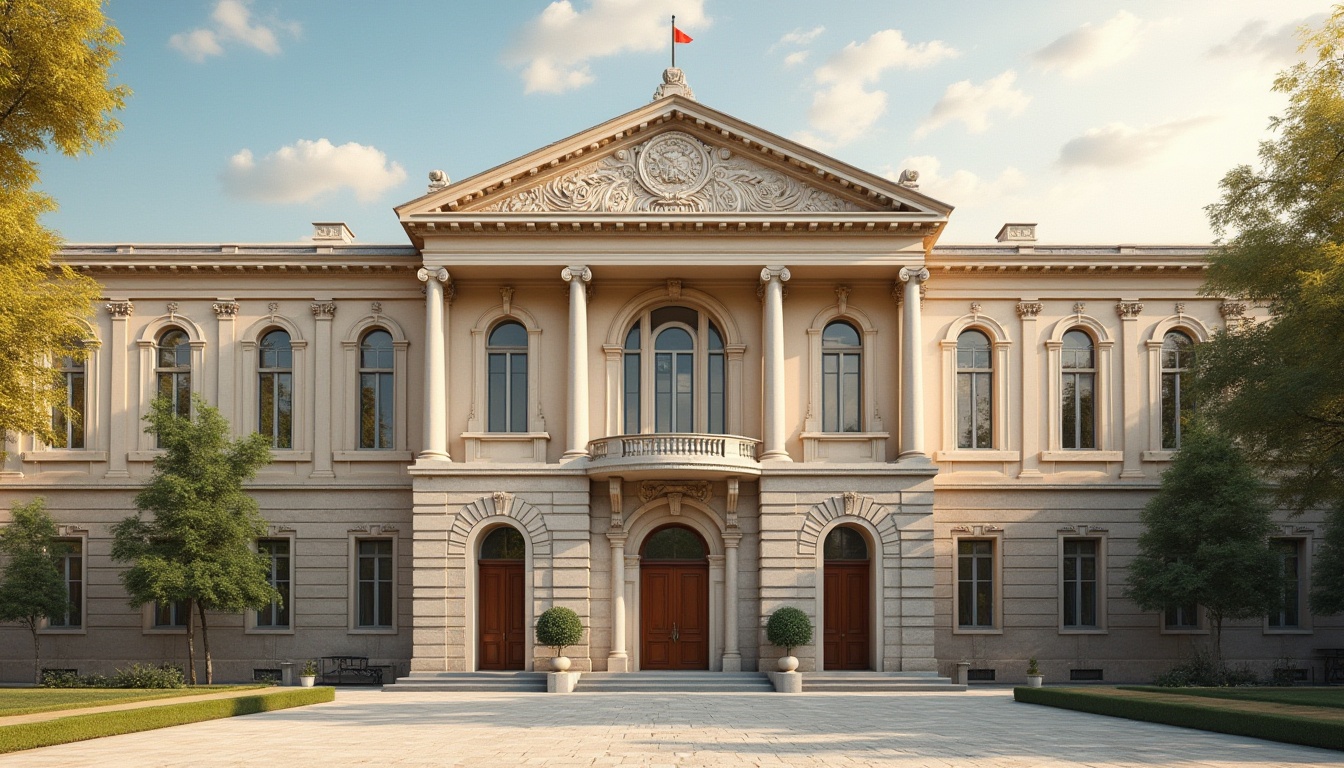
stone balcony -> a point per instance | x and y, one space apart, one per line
684 454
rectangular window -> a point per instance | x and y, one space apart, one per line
70 431
1289 613
1181 617
975 583
375 410
276 615
71 563
841 374
275 408
1079 419
174 615
630 382
716 394
1080 583
373 588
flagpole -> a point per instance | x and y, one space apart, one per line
674 41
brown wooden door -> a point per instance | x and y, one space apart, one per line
674 615
846 634
502 616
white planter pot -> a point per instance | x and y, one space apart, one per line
560 663
788 663
307 680
1034 681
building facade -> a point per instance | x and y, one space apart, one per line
673 372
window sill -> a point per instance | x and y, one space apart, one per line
268 631
164 631
1092 456
507 447
1181 631
1289 631
63 631
845 446
56 454
372 631
1083 631
291 456
1157 455
977 631
372 455
969 454
149 455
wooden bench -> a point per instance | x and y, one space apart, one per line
349 670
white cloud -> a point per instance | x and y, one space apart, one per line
307 170
232 22
800 37
555 48
961 187
1257 40
795 58
1117 145
1090 48
971 104
843 108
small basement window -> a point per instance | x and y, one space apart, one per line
265 675
1085 674
980 675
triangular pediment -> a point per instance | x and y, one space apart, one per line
675 156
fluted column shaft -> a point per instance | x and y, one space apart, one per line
436 375
772 416
912 366
576 423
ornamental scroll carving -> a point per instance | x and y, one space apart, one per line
699 490
673 172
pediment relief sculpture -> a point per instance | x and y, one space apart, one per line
673 172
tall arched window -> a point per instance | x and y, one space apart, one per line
975 393
1079 386
375 390
1176 351
841 377
506 361
675 357
173 370
68 423
275 389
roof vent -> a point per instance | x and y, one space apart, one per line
332 232
1017 233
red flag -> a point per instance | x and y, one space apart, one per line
680 37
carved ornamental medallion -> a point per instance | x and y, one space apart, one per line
671 172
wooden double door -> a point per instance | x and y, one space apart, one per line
674 615
502 619
846 626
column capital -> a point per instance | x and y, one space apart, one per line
578 271
775 272
323 310
1128 310
225 309
120 309
910 273
1029 309
438 273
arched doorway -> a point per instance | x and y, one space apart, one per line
846 624
674 600
502 610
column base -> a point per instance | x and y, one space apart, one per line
917 458
618 663
775 456
572 456
1127 474
732 662
1030 474
325 474
433 456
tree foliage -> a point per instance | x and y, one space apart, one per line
54 94
1277 385
1205 539
31 586
195 545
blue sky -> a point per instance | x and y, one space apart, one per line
1104 122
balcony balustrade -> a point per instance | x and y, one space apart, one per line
688 454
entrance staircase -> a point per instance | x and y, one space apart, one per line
674 682
496 682
886 682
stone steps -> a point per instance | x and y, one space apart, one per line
499 682
861 682
681 682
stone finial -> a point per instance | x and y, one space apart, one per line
674 84
909 178
332 232
438 180
1017 233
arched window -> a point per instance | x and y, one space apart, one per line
844 543
275 389
503 543
68 422
172 371
506 362
841 377
673 543
1079 386
674 356
1176 351
376 390
975 393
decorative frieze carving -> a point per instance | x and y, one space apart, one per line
376 307
323 310
225 310
1079 307
734 490
700 490
673 171
373 529
120 308
674 289
503 502
842 298
1128 310
1180 308
171 307
506 299
977 530
975 308
273 308
1082 530
851 501
615 491
1031 309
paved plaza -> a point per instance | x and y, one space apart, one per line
983 727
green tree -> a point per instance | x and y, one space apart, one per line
31 587
1276 385
196 544
1205 537
54 93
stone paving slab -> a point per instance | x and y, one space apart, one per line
982 727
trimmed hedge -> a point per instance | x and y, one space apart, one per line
1190 713
1297 696
83 727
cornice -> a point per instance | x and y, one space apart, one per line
197 259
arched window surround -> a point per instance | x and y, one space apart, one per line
869 444
481 445
345 411
1198 333
148 343
301 443
1105 392
1001 345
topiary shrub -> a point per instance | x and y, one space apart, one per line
788 628
559 627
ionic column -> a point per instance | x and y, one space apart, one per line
772 417
119 441
732 656
576 425
324 312
436 377
912 367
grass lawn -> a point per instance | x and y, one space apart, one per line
1306 697
25 701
